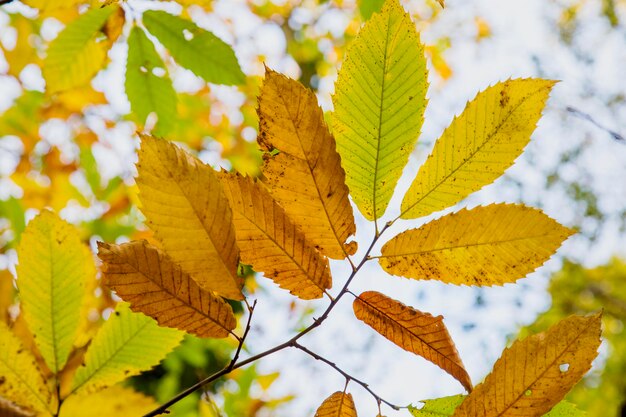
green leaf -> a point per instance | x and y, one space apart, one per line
478 146
21 381
195 48
127 344
445 406
52 271
148 87
368 7
77 53
379 106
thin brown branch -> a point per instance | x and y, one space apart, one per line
348 377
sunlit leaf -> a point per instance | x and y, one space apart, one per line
478 146
77 54
153 284
412 330
114 401
52 270
535 373
338 404
489 245
305 177
380 98
369 7
185 205
445 406
271 242
126 344
24 52
148 86
195 48
22 382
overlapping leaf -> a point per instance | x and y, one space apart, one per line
534 374
338 404
489 245
126 344
148 86
412 330
478 146
153 284
114 401
195 48
22 383
271 242
379 106
76 54
185 205
53 268
305 177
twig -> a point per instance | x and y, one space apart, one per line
3 2
348 377
289 343
587 117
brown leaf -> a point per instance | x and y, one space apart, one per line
153 284
412 330
271 242
534 374
338 404
306 176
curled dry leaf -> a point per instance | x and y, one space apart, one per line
412 330
338 404
271 242
153 284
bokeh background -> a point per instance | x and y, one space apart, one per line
74 152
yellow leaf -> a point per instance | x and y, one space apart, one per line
6 294
271 242
338 404
478 146
7 409
305 177
534 374
185 205
489 245
115 401
52 270
153 284
413 331
24 52
22 383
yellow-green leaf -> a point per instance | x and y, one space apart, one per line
126 344
305 177
445 406
153 284
489 245
77 53
114 401
379 106
478 146
271 242
148 86
338 404
185 205
53 268
413 331
22 383
534 374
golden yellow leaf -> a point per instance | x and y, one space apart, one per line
478 146
24 51
6 294
534 374
185 205
114 401
413 331
154 285
306 176
21 381
7 409
271 242
489 245
338 404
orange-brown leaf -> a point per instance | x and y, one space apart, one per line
412 330
306 176
153 284
534 374
271 242
338 404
